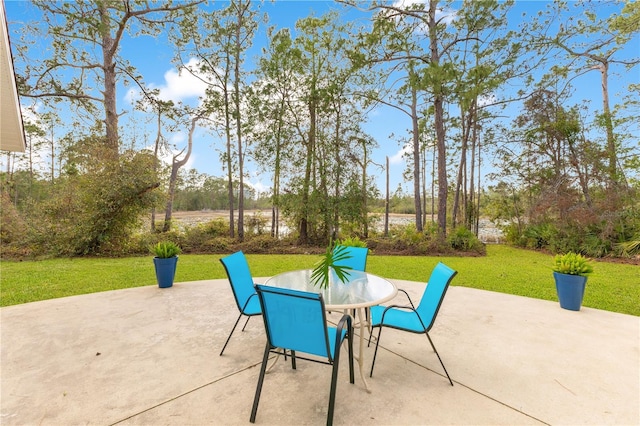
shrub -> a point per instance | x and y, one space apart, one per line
258 244
594 246
255 224
351 242
629 248
165 249
538 236
463 239
196 238
572 263
217 228
218 245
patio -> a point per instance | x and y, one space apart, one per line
150 356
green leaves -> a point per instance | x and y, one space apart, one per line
323 268
166 249
572 263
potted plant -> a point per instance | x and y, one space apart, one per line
165 262
570 272
327 266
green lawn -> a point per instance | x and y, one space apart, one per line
613 287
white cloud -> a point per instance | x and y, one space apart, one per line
404 4
444 16
182 85
398 157
132 95
178 86
177 138
487 100
259 187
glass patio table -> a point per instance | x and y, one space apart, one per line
361 291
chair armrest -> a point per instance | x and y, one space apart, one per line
248 300
346 318
407 294
395 307
410 308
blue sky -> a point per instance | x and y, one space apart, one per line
152 58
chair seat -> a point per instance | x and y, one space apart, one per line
397 318
320 349
253 307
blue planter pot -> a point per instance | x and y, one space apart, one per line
570 290
165 270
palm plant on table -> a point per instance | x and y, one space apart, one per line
328 265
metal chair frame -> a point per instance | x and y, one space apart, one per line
332 358
227 264
425 327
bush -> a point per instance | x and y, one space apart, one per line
463 239
255 224
258 244
572 263
165 249
351 242
538 236
216 228
97 210
218 245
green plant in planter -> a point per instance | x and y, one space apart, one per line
572 264
165 249
322 270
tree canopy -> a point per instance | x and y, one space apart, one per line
490 111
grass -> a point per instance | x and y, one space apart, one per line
612 287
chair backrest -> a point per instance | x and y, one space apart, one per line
294 320
358 259
434 292
239 276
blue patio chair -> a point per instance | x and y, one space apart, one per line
357 259
242 285
295 321
415 320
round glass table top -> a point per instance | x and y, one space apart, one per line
359 291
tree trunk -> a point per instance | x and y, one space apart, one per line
238 115
365 215
155 165
386 202
109 49
608 124
227 118
306 185
416 159
438 101
175 166
275 220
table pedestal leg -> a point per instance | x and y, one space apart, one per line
362 326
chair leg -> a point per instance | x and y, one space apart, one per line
350 343
230 334
332 392
293 359
245 324
373 363
256 399
440 359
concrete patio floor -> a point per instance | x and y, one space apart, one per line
149 356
